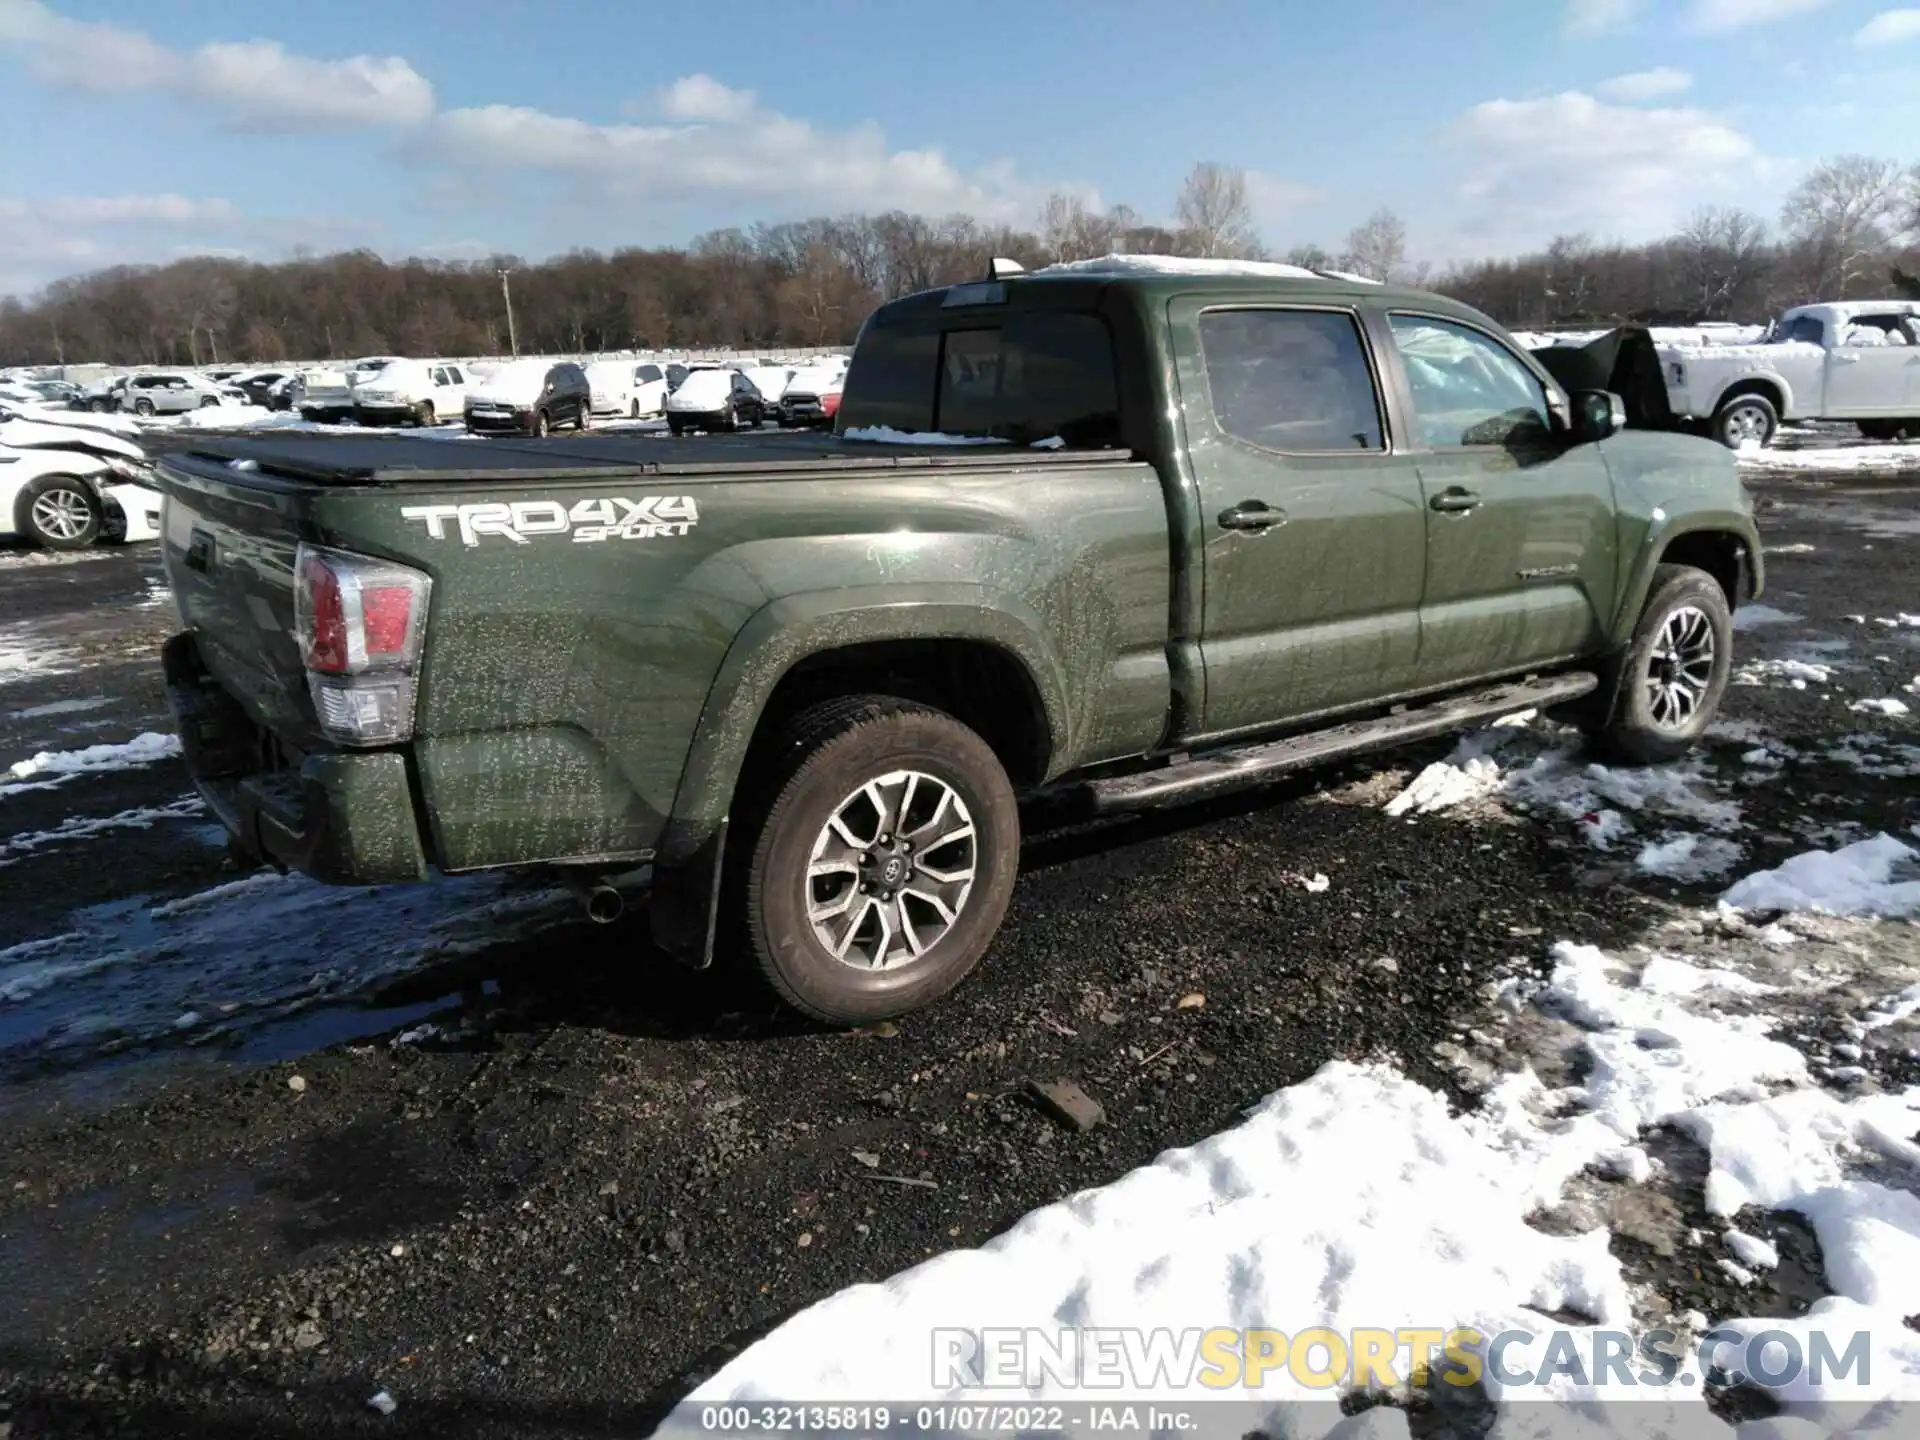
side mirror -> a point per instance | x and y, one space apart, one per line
1597 414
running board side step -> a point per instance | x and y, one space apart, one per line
1217 772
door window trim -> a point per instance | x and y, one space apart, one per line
1559 406
1388 430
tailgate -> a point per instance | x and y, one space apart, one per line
228 546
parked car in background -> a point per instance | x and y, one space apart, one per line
677 371
715 399
257 386
530 397
223 374
66 486
635 389
1857 361
103 396
57 392
812 398
167 394
412 392
326 394
771 381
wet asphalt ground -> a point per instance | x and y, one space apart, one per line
276 1151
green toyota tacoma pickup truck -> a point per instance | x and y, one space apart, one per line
1215 523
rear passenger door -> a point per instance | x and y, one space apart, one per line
1313 528
1520 550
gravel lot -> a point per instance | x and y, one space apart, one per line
277 1148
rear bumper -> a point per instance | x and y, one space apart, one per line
345 819
383 414
326 414
517 422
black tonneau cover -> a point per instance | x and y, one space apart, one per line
388 459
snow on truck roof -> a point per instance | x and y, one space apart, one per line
1178 265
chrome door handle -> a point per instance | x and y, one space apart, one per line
1454 500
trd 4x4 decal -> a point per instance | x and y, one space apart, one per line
609 518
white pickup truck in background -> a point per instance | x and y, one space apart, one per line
326 396
412 392
1856 360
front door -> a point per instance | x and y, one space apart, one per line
1872 381
1312 529
1520 549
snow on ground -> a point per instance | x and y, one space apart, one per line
53 767
1538 767
1793 674
1857 880
1839 459
1356 1200
233 956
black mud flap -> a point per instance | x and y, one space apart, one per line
684 909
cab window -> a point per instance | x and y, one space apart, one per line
1291 380
1468 389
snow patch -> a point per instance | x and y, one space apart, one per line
143 749
1176 265
887 435
1793 674
1881 706
1752 617
1855 880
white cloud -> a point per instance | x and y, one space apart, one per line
46 238
701 97
1276 200
256 84
1889 27
1645 85
1722 17
719 144
1570 163
164 209
1601 17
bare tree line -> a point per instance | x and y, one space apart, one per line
1843 230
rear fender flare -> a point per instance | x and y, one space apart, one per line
793 628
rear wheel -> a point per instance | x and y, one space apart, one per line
1675 670
1900 429
1746 422
207 402
585 421
60 512
423 413
634 412
143 406
541 425
881 866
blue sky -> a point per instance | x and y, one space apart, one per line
138 132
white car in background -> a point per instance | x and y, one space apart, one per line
67 486
412 392
636 389
169 393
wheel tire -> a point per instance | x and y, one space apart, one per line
821 761
542 426
1746 420
675 428
424 415
60 512
207 402
96 407
143 407
585 422
1635 733
634 411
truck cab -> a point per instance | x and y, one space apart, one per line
1856 360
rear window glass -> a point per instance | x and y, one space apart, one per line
1041 374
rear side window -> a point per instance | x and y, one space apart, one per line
1291 380
647 373
1806 330
1039 374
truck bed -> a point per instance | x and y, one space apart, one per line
388 459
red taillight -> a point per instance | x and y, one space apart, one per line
360 623
324 635
830 403
387 611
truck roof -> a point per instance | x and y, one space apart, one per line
1157 276
400 459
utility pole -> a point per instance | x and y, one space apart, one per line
506 293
